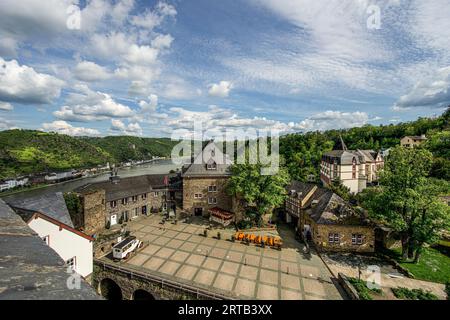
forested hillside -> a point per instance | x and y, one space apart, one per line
124 148
28 151
301 153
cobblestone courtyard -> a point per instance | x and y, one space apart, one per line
179 252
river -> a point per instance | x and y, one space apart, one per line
159 166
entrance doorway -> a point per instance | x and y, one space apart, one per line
198 212
113 219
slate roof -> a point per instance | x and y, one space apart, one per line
300 188
326 207
416 137
198 166
29 269
50 204
127 187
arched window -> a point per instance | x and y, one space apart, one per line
211 165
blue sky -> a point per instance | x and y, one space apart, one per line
151 67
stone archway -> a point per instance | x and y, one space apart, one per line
110 290
143 295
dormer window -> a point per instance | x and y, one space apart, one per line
211 165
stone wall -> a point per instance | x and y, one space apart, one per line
152 202
94 212
192 186
130 283
345 236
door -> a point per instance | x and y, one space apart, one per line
198 212
144 210
113 219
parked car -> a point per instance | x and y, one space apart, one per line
126 247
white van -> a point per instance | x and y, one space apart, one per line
126 247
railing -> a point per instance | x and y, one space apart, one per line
164 282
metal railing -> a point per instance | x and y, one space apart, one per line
164 282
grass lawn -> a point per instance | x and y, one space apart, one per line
434 265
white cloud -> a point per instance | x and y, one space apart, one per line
162 41
153 18
218 119
5 106
87 105
24 85
333 120
221 89
90 71
130 129
63 127
150 105
141 55
432 92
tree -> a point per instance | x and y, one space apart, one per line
261 193
407 200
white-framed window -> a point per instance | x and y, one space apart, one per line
155 194
134 198
72 263
212 200
135 212
212 188
333 238
144 196
113 204
125 201
198 195
46 239
211 166
357 239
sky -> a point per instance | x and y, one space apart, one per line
150 68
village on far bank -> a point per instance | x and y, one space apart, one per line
218 230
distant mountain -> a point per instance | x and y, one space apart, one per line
29 151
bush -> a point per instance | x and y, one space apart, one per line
414 294
362 289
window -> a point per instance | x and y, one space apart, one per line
135 212
134 198
357 239
211 165
212 200
198 195
46 239
155 194
113 204
125 201
333 237
354 169
72 263
144 196
212 189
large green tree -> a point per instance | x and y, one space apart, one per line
260 193
407 200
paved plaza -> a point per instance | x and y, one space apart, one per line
180 252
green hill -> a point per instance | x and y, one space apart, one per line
28 151
124 148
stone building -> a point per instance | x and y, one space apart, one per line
354 168
205 180
321 216
121 199
412 141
